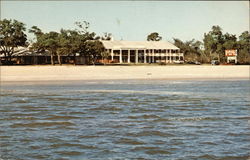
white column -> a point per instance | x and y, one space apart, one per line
145 57
179 56
150 56
166 56
136 56
112 54
129 56
170 56
120 56
153 55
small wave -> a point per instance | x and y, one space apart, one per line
209 143
105 109
24 114
210 118
2 137
140 110
129 141
70 153
55 117
35 147
20 118
212 157
88 136
143 148
61 99
38 156
23 100
41 124
195 119
59 145
207 156
73 113
150 133
239 134
150 92
158 151
145 116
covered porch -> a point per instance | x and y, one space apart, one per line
142 52
144 55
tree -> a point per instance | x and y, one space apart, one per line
11 35
50 43
94 49
35 30
191 49
46 42
243 46
88 43
64 45
215 43
230 41
83 26
37 46
154 37
105 56
69 42
107 36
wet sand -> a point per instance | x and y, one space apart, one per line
67 73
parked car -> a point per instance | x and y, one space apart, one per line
193 62
197 63
190 62
178 62
215 62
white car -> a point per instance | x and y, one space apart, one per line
178 62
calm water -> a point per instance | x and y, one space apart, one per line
154 119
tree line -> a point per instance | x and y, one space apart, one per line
66 42
213 46
87 44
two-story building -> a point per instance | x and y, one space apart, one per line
142 52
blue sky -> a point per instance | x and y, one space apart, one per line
133 20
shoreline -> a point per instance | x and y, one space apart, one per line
111 81
106 73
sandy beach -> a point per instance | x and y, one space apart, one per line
61 73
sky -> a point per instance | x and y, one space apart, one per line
133 20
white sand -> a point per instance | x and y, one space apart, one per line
60 73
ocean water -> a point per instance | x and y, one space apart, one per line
129 119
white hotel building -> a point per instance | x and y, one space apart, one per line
142 52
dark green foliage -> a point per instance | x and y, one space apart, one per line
215 44
46 42
154 37
191 49
69 42
107 36
94 49
11 35
243 46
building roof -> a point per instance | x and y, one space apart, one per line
138 45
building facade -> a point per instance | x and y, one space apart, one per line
143 52
117 52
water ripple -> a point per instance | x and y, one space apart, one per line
125 120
